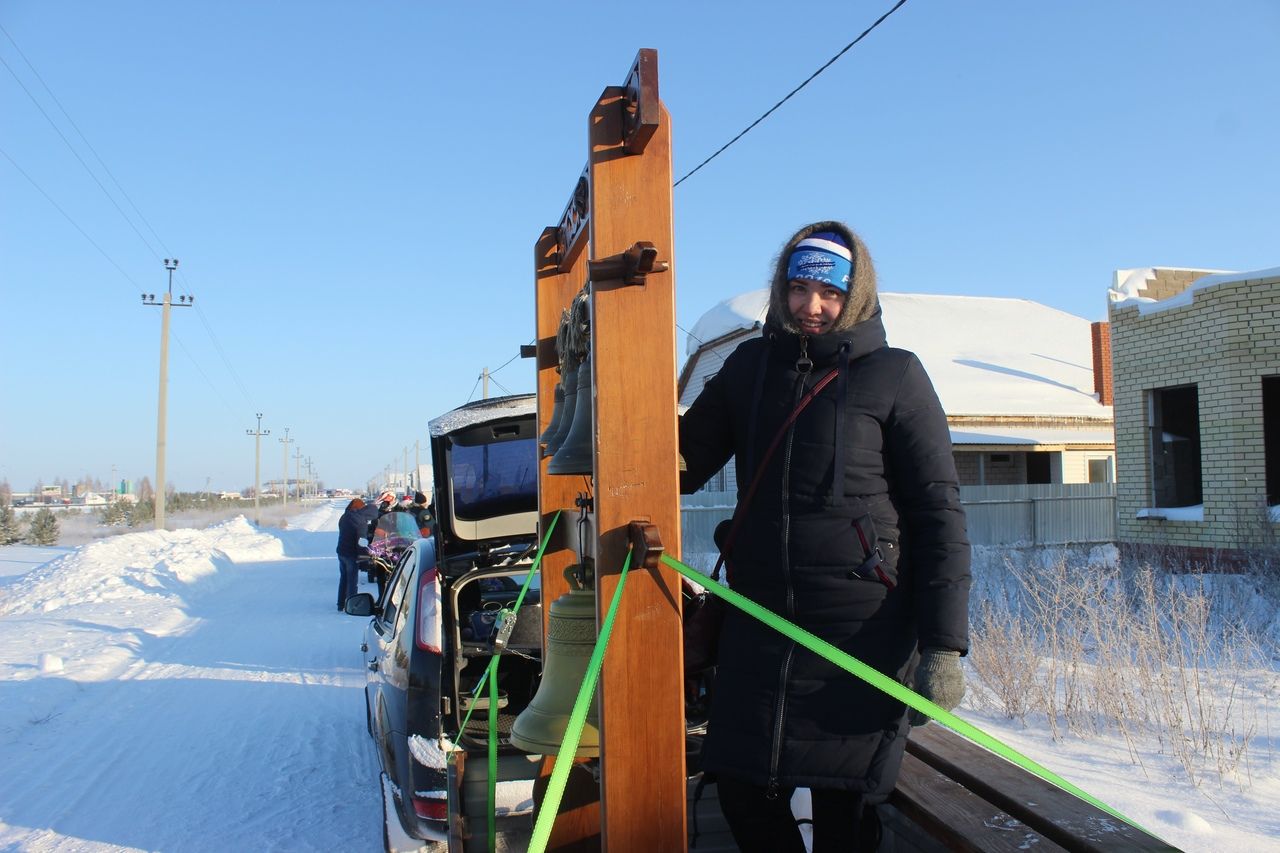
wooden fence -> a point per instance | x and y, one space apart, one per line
1052 514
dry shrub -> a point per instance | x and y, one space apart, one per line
1150 655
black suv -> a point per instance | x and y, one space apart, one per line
431 636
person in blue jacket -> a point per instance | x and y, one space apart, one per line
353 524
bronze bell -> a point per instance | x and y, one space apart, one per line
571 638
575 452
569 381
557 412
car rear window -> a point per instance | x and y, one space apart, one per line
494 479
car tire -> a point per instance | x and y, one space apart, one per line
368 715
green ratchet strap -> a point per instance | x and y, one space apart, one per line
491 677
577 719
887 685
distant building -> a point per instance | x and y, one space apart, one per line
1195 368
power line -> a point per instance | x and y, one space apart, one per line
204 320
76 154
74 224
828 63
83 138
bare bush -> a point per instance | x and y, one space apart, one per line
1147 654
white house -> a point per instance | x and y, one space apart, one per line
1016 379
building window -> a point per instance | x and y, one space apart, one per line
1271 435
1174 423
717 483
1039 467
1099 470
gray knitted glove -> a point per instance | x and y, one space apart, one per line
938 679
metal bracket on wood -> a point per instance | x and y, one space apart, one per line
646 544
629 267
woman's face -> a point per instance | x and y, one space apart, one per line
814 306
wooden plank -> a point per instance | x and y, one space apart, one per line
1058 815
633 356
959 818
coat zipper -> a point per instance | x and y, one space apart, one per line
803 366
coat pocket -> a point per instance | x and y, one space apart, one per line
873 565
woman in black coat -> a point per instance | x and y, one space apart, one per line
854 533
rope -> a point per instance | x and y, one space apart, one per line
577 719
886 684
491 676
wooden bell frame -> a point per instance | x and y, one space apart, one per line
616 231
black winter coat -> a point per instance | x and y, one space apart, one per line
781 715
353 524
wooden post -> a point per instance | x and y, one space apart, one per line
623 201
643 781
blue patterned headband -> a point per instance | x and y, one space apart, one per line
822 257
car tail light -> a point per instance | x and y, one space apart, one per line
428 629
430 808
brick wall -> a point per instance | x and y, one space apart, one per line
1223 342
1100 334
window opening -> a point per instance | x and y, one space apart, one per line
1271 436
1175 446
1039 469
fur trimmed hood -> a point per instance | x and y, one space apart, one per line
863 300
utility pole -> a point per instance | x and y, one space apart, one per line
297 474
417 466
257 466
206 492
284 484
166 303
309 470
407 482
484 392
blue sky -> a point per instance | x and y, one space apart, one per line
354 190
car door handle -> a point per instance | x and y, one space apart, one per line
373 666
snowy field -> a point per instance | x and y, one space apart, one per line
196 690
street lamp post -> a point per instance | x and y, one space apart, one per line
166 303
284 484
257 466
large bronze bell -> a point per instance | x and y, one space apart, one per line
557 415
571 637
575 452
569 381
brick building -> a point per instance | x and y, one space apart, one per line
1195 372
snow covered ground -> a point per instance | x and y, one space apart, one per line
196 690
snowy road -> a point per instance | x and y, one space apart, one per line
187 710
196 690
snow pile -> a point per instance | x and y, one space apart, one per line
1129 282
137 567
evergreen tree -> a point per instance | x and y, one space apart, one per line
142 512
44 528
10 533
114 514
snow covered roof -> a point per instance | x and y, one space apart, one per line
482 411
1130 282
985 355
1032 435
